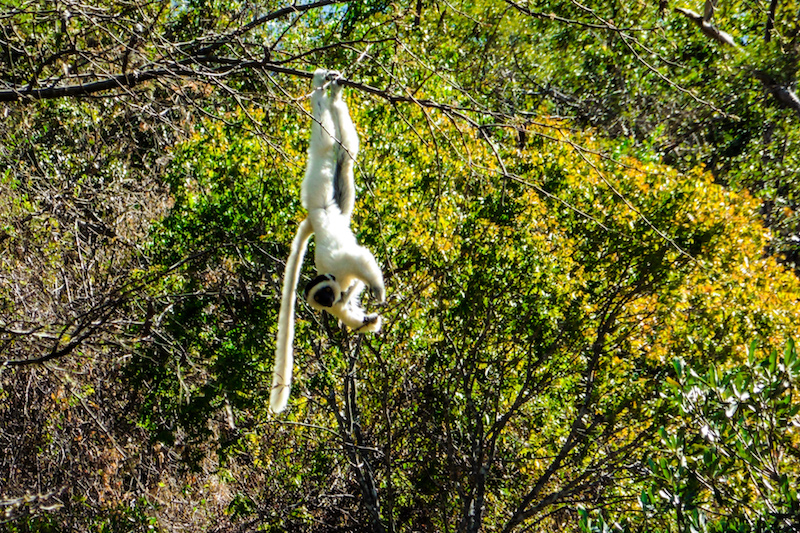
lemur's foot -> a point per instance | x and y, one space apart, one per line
336 83
378 295
372 323
320 77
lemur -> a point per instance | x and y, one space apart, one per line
343 266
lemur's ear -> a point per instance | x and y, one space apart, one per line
323 291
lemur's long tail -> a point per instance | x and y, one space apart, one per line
284 358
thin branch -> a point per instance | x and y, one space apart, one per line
173 69
552 16
294 8
90 322
782 93
773 6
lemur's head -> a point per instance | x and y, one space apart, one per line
323 291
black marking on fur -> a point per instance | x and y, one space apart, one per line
338 185
316 281
325 297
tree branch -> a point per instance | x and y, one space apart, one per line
174 69
91 321
782 93
773 6
83 89
579 432
223 66
238 32
708 29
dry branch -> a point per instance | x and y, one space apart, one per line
783 94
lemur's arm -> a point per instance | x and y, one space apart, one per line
317 191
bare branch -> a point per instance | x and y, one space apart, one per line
708 29
773 6
782 93
193 54
294 8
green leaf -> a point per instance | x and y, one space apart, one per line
678 365
773 361
751 352
789 354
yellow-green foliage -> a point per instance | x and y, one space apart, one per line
513 274
501 283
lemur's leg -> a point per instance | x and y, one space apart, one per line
346 148
365 266
317 188
323 128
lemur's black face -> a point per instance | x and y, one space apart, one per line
325 295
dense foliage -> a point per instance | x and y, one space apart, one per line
586 220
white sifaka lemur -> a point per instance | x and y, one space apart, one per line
344 267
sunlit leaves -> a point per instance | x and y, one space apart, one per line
730 444
512 287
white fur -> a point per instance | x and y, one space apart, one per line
284 359
328 193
